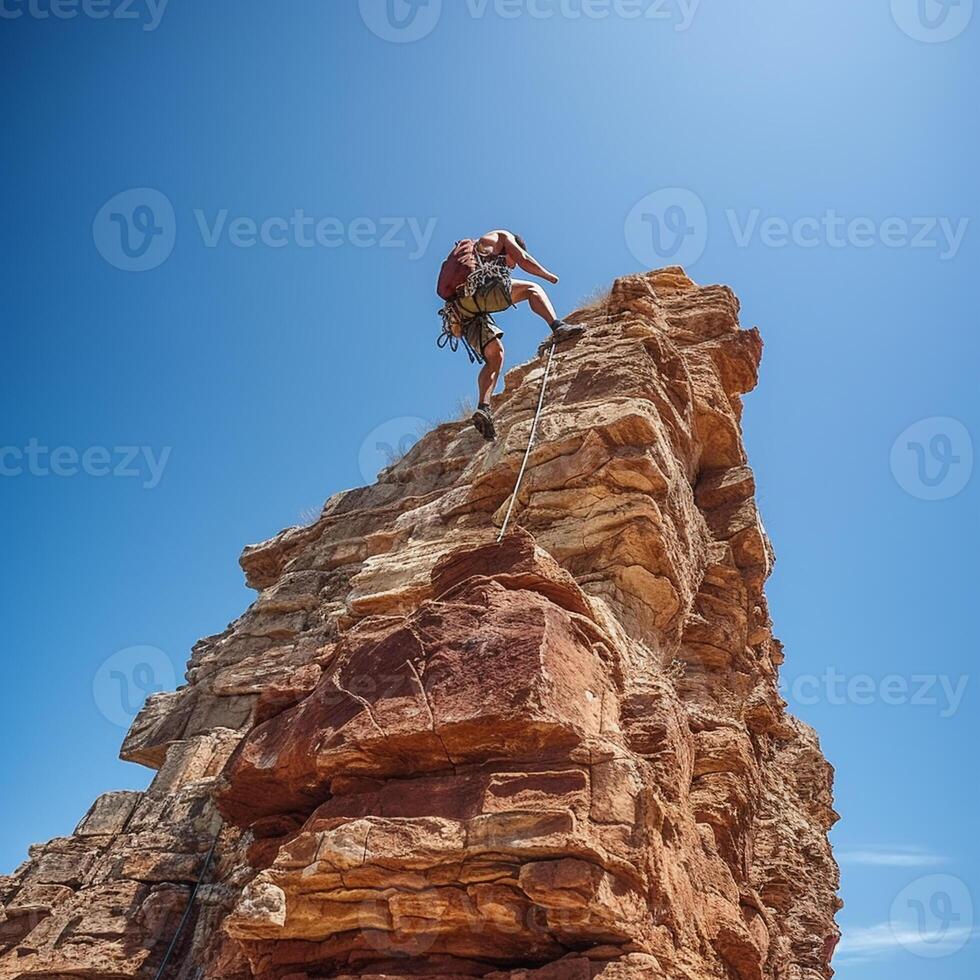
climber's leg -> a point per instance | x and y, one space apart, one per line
487 382
522 291
538 300
482 419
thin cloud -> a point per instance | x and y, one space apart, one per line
896 857
876 942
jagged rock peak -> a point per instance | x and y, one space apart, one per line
425 753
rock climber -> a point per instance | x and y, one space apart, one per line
476 282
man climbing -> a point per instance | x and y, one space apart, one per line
476 282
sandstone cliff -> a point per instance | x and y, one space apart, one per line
423 753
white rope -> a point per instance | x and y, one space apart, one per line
530 444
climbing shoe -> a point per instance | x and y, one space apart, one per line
562 331
483 423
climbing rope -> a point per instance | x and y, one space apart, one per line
490 271
190 906
451 323
530 443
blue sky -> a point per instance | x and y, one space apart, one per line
288 179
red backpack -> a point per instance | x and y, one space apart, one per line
457 268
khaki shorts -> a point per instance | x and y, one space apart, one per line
492 298
478 326
479 332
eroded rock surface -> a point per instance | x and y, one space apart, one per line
425 753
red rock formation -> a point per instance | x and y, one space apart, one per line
559 757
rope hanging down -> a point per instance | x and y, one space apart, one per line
530 444
190 905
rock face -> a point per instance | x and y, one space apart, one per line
423 753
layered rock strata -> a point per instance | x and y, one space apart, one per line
421 752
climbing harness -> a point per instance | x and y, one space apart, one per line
454 331
190 906
487 290
530 443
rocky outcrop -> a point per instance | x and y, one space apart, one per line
422 752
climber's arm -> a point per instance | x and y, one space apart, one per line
525 260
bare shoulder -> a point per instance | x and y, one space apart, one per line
494 241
